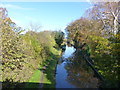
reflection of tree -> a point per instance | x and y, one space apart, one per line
80 75
61 59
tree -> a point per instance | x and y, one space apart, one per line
107 13
98 31
59 37
35 27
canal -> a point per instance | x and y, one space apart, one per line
73 72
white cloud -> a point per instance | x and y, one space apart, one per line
18 22
14 20
13 7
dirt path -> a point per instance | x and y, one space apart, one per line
41 81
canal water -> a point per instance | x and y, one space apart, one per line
73 74
61 73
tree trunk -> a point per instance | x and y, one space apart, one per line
115 25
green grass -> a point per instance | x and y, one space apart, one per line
36 77
34 81
49 74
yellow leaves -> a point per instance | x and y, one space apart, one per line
7 19
97 51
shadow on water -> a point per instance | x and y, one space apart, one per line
73 72
61 73
80 75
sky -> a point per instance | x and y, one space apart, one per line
49 15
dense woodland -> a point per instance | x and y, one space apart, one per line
97 34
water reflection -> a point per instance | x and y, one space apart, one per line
72 71
62 74
80 77
68 52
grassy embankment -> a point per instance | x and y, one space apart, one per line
48 75
45 74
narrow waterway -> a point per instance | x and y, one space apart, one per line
61 76
71 74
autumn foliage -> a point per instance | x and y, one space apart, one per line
98 33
